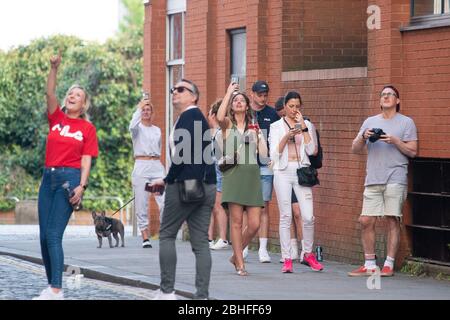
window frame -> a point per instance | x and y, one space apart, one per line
175 8
435 20
242 77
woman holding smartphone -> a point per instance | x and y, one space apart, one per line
241 186
71 144
291 144
146 139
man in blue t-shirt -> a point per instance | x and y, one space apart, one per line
265 116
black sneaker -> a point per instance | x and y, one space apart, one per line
146 244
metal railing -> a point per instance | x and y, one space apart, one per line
11 198
128 215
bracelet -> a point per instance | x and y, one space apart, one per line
84 186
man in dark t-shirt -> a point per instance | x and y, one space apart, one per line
265 115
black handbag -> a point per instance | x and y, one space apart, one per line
191 190
227 162
307 176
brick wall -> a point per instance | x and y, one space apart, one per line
324 34
155 78
415 61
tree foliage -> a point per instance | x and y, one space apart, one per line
133 20
112 74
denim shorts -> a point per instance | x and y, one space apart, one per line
219 179
267 187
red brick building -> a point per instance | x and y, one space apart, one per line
338 54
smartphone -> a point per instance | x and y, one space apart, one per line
145 96
155 188
235 79
298 126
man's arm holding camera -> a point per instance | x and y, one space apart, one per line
360 141
408 148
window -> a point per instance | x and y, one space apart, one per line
430 7
238 64
427 14
175 57
430 203
176 11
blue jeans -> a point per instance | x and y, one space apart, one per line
54 213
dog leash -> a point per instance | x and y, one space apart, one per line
123 206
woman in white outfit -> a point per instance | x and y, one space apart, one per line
147 167
291 143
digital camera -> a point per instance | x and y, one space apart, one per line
377 132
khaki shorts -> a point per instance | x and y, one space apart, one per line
384 200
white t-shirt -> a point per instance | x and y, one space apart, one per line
146 140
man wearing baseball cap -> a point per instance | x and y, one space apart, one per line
265 115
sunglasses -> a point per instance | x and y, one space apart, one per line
388 94
180 89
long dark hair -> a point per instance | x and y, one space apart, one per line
248 113
396 92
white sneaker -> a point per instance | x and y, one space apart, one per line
245 253
146 244
264 256
220 245
211 243
48 294
164 296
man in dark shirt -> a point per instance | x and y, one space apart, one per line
265 115
190 146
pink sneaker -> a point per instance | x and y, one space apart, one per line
311 261
287 266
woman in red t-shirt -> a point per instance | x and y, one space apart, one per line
71 144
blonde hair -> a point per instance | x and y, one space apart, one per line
87 101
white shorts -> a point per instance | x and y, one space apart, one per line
384 200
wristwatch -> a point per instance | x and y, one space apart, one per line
84 186
305 130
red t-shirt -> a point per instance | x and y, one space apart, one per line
68 140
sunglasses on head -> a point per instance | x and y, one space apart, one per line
180 89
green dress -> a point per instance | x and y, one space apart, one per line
241 184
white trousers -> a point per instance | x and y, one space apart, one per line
146 171
284 182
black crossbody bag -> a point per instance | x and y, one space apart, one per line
191 190
307 176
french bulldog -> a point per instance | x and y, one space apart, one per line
105 226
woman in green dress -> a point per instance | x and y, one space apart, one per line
241 185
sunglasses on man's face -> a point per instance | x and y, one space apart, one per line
180 89
388 94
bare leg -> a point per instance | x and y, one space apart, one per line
264 225
236 214
253 224
220 217
145 234
211 226
368 234
393 236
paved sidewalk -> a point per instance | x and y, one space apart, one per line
135 266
